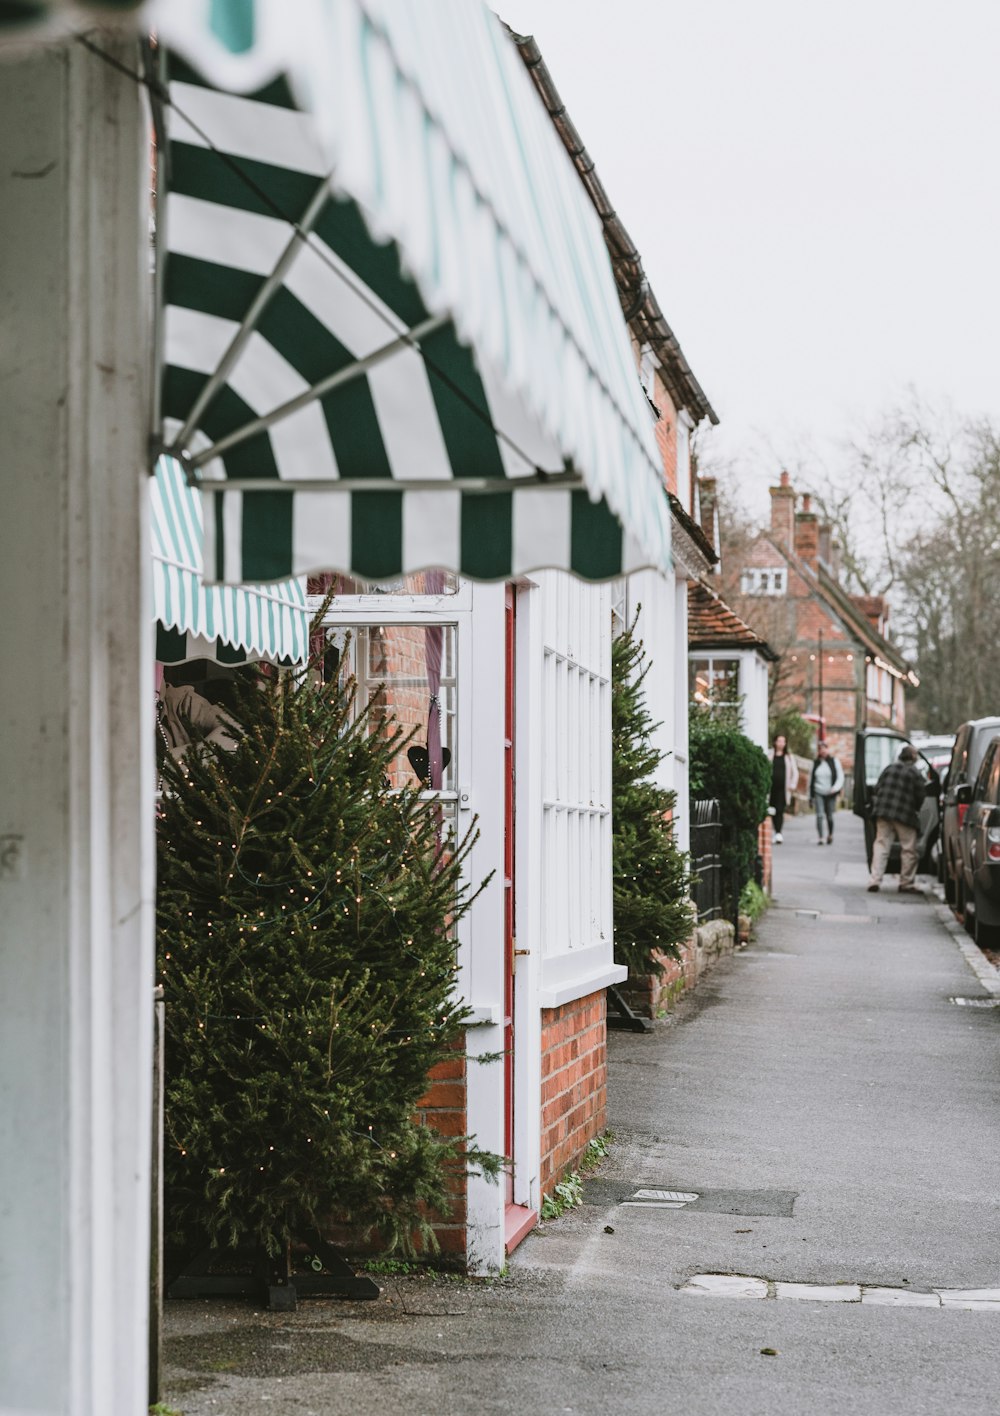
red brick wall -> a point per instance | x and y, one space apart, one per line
444 1109
574 1083
651 995
765 840
666 433
399 651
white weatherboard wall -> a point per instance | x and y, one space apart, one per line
76 736
653 596
563 827
682 749
576 916
754 689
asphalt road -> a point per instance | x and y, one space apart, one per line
836 1115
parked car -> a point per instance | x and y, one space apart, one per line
874 749
979 840
971 742
936 747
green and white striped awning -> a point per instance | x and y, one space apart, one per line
232 625
391 334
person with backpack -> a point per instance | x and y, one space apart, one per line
825 785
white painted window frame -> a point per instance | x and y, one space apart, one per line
752 580
477 612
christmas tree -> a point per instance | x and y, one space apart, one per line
305 921
652 907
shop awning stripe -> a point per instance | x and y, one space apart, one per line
231 624
453 201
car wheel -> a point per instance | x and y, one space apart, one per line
968 918
987 936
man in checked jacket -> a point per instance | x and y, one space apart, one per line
898 797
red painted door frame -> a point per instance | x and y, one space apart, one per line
518 1219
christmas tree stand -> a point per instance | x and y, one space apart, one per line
621 1017
317 1271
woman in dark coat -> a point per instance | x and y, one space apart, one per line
784 780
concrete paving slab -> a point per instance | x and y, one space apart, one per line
725 1285
819 1292
899 1298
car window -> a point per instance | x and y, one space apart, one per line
991 779
879 752
923 766
977 747
981 787
956 768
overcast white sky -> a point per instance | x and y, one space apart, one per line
815 191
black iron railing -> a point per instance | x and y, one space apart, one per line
706 861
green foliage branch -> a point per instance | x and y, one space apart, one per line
305 919
726 765
653 913
797 733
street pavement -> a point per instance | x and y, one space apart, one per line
834 1115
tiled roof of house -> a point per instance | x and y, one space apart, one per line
713 625
856 618
692 549
844 606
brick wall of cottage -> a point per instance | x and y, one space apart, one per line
574 1083
651 995
665 431
444 1109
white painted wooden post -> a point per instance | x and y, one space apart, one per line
76 735
682 771
483 701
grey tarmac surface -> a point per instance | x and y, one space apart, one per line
822 1089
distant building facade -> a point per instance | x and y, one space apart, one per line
836 664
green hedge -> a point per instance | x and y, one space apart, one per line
726 765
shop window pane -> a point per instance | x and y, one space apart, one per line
423 582
408 674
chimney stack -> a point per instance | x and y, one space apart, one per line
807 533
707 510
783 511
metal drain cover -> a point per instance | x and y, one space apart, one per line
976 1002
663 1199
759 1203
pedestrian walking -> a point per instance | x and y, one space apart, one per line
784 780
896 803
825 785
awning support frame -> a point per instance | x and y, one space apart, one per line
477 486
410 339
300 235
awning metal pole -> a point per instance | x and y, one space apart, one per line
260 302
409 340
478 486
